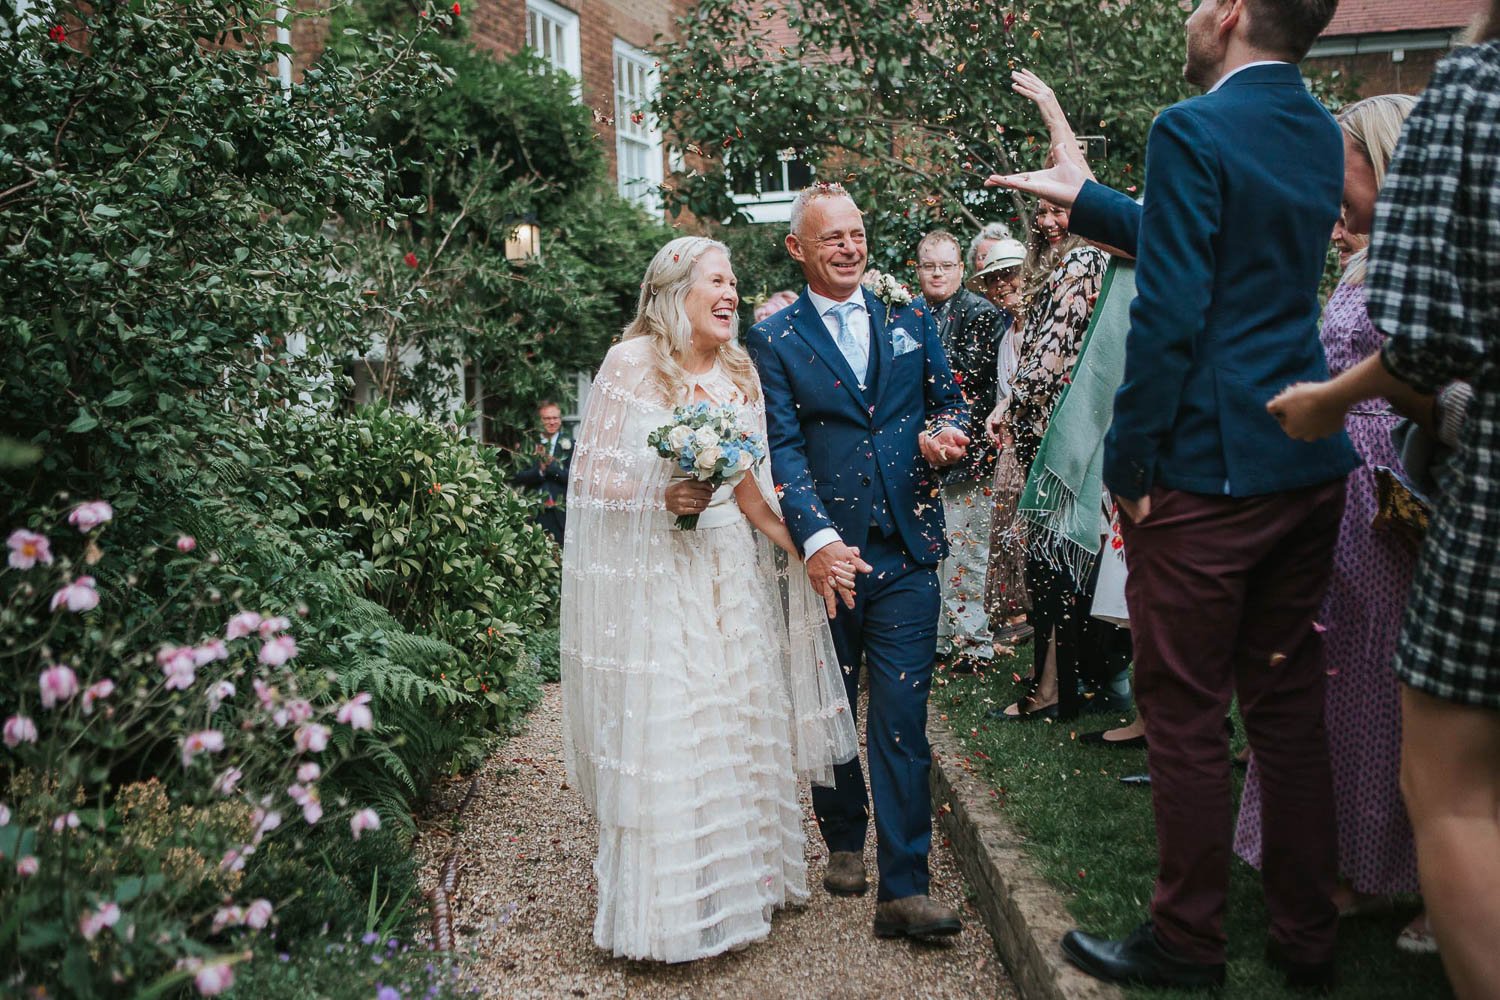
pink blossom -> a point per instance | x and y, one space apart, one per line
4 814
365 819
27 866
219 693
186 543
297 793
94 921
234 858
299 709
214 978
77 596
88 516
210 651
278 650
203 741
264 693
67 821
312 809
58 684
271 626
225 782
312 737
258 914
228 916
19 729
95 691
355 712
242 625
265 822
27 548
280 717
308 772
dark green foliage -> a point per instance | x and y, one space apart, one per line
345 967
542 645
761 264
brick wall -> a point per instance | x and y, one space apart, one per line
1374 72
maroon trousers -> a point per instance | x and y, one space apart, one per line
1223 596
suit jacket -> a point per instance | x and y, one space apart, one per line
970 333
836 450
551 478
1242 188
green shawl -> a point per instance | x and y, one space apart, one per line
1060 501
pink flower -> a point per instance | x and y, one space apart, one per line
258 914
299 710
265 822
224 783
228 916
271 626
264 693
27 548
219 693
88 516
95 691
297 794
19 729
210 651
313 737
94 921
27 866
312 809
214 979
278 650
234 858
308 772
365 819
180 666
67 821
203 741
242 625
78 596
186 543
58 684
355 712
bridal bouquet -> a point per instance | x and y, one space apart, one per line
708 444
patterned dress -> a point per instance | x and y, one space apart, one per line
1434 287
1372 573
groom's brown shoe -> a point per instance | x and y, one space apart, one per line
846 874
916 917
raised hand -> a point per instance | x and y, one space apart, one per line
1030 86
1059 184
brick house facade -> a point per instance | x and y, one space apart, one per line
1391 46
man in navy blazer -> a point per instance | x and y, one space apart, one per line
1229 525
861 408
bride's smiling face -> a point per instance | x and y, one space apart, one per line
712 300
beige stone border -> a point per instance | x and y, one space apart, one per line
1025 915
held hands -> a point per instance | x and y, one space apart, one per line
832 571
688 496
1308 411
995 427
943 448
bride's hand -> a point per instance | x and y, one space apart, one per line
688 496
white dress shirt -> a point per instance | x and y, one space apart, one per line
1239 69
859 325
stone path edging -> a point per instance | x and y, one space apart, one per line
1025 915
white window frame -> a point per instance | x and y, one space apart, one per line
633 65
561 25
771 206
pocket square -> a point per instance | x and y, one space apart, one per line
902 342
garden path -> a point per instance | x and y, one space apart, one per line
525 907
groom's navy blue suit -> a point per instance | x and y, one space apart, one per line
847 458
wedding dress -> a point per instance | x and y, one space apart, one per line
699 679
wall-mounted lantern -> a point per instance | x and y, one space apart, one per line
523 239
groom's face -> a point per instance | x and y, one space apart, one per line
831 247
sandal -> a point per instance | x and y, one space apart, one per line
1415 941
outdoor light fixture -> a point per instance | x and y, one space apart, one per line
523 239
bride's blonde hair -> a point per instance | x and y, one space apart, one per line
661 315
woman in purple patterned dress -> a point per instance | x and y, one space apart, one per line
1362 613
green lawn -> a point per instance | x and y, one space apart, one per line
1093 838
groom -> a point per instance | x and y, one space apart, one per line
861 407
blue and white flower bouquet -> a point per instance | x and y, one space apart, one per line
709 444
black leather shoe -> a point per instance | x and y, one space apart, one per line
1138 960
1096 739
1316 977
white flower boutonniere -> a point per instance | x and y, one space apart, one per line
887 289
566 444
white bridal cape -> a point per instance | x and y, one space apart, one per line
699 679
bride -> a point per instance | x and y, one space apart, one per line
699 677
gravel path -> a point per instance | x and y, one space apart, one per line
525 907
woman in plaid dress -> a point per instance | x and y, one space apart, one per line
1433 287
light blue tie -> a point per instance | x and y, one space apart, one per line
856 350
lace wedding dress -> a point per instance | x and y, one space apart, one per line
698 679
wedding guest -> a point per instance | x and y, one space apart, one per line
1361 614
1431 288
970 329
693 690
547 474
1229 527
774 303
989 234
1347 244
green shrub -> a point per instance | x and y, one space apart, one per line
348 967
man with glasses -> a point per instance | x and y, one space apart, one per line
969 327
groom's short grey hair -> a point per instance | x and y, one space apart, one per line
810 194
991 231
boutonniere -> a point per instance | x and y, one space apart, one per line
566 444
888 290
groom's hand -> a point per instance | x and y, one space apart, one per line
1059 185
824 570
943 448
